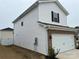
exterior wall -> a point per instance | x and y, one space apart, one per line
77 38
6 34
0 36
6 38
25 36
45 13
29 54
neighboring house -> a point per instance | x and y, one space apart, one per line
6 36
77 36
43 26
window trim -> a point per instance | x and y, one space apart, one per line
52 17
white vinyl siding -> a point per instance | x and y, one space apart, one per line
45 13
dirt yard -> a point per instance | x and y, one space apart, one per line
10 53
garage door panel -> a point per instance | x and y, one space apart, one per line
63 42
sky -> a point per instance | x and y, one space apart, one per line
11 9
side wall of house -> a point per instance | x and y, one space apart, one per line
24 36
45 10
0 36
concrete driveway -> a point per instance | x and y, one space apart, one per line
73 54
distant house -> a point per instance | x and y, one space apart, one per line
6 36
43 26
77 36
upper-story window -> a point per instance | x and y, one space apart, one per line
55 17
22 23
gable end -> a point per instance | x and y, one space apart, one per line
36 4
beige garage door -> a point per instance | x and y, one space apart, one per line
63 42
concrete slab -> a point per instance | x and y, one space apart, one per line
73 54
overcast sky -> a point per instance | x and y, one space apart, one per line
10 9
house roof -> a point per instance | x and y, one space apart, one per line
56 27
77 27
36 4
7 29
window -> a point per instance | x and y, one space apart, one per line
55 17
22 23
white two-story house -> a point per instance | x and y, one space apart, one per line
44 25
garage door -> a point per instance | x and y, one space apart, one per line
63 42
